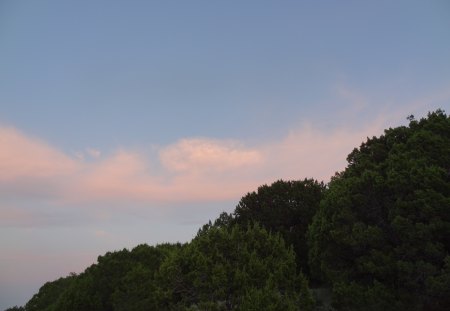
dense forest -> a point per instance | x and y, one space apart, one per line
376 237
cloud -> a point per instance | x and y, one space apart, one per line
192 169
94 153
185 174
208 155
189 170
41 185
24 157
123 175
32 168
310 152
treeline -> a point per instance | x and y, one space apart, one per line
376 237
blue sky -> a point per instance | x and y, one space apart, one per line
136 122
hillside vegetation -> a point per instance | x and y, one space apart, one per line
376 237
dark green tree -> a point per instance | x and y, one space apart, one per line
228 268
49 294
121 280
138 289
286 207
381 237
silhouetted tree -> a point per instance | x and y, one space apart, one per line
382 234
286 207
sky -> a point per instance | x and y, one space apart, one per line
129 122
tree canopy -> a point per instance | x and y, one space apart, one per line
222 268
381 237
229 268
286 207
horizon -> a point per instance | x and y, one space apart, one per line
123 124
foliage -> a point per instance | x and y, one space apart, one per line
286 207
227 268
48 294
220 269
107 285
382 234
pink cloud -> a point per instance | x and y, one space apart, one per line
25 157
309 152
206 154
212 170
124 175
190 170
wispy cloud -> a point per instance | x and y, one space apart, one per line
310 152
25 157
188 155
188 170
192 169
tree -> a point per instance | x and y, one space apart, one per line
286 207
381 237
138 290
122 280
49 294
226 268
